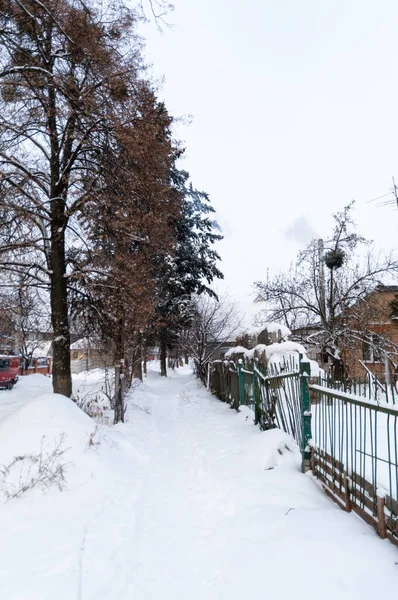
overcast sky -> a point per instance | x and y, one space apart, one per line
294 113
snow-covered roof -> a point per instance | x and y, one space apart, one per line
38 349
85 343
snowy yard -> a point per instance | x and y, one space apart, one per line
187 500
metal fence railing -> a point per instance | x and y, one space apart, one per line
273 394
355 454
346 431
369 386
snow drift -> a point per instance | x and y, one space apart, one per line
40 441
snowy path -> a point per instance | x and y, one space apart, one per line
201 506
213 524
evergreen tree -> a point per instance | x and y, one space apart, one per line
190 269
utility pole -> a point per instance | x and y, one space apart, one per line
395 190
322 291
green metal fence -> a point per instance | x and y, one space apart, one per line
355 453
368 386
274 395
346 431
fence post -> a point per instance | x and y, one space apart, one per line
208 376
381 518
305 407
256 394
241 384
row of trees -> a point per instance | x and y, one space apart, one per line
94 213
326 296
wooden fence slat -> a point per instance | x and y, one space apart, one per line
338 475
381 518
358 497
333 482
392 524
357 494
361 482
335 495
392 538
333 461
347 492
365 516
392 505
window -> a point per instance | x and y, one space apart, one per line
4 364
42 362
373 348
75 354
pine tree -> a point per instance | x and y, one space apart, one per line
190 269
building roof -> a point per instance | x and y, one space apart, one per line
85 344
386 288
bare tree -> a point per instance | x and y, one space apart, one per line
213 323
70 92
329 283
156 10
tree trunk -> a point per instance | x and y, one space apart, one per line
137 363
119 395
145 357
119 372
62 380
163 353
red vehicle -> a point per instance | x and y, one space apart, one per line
9 370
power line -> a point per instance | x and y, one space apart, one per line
392 201
378 198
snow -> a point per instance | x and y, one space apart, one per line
86 343
285 348
282 352
187 499
277 350
235 350
276 327
38 349
281 349
47 415
25 391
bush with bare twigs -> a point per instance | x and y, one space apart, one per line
44 469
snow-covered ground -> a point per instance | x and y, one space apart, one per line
187 500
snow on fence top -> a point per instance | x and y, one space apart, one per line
275 327
281 349
235 350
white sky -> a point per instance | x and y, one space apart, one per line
295 113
